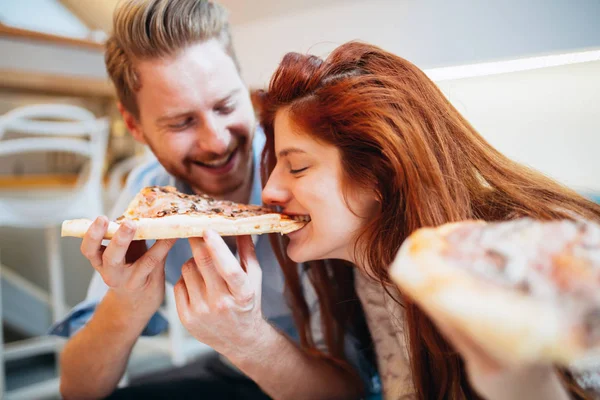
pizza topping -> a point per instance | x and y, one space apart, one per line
158 201
496 258
592 326
524 255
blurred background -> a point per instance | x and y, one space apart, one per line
525 73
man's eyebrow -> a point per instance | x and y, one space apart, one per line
229 95
289 150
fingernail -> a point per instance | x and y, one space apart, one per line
128 227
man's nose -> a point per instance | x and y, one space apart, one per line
213 137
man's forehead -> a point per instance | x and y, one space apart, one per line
199 76
195 63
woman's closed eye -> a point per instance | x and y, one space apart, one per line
297 171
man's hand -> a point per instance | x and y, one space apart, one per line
135 275
218 298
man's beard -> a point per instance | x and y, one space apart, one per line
183 174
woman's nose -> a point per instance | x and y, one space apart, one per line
275 193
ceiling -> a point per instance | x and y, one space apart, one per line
242 11
97 14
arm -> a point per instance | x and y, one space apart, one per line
94 360
218 301
284 371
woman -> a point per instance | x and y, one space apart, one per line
368 147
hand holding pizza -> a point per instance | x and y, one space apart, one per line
135 274
494 379
218 298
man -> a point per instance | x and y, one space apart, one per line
180 93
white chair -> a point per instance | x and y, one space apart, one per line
44 129
118 174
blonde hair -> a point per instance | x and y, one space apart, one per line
147 29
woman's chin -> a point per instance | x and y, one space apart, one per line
296 257
300 254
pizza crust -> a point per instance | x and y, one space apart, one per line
510 325
184 226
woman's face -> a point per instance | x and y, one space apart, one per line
307 180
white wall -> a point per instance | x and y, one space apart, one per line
430 33
547 118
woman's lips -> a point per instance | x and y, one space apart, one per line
302 218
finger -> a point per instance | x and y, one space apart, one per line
182 300
194 282
214 282
154 258
228 267
114 256
248 258
91 246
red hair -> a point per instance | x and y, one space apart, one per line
398 135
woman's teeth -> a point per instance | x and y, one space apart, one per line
302 218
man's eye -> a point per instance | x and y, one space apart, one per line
183 124
225 109
297 171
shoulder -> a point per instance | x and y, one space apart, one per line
378 304
386 320
150 173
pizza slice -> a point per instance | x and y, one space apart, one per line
164 213
525 290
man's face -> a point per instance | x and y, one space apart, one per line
196 116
